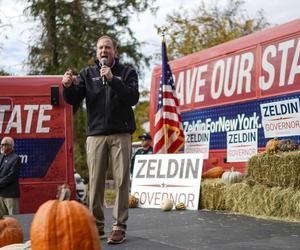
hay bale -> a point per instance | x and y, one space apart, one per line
211 196
236 197
278 170
258 200
245 199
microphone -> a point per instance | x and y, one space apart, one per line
103 61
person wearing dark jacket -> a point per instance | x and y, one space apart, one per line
144 150
110 90
10 164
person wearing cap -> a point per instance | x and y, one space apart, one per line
145 149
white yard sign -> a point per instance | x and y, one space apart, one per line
281 118
174 176
197 142
241 145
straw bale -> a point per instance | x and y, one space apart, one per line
278 170
212 196
258 200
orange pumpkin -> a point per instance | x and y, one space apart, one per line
132 201
215 172
64 225
10 231
272 146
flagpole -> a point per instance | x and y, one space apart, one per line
168 121
162 31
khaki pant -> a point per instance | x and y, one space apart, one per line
103 151
9 206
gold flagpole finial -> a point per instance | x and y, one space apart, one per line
162 32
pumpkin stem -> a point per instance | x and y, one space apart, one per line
232 169
63 193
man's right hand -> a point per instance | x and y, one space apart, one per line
68 78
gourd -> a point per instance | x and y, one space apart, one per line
272 146
166 204
215 172
10 231
180 206
18 246
230 177
286 145
64 225
132 201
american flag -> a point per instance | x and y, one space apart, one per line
168 131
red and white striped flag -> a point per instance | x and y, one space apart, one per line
168 131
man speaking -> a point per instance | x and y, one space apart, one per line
110 90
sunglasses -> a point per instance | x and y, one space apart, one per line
4 144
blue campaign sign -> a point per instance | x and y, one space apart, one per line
37 155
233 117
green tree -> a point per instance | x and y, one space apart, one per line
70 30
3 73
141 112
204 27
79 138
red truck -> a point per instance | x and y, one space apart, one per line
236 96
33 112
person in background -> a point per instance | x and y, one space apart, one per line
110 90
145 149
10 164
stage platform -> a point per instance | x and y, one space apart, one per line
153 229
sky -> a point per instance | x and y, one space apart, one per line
18 30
